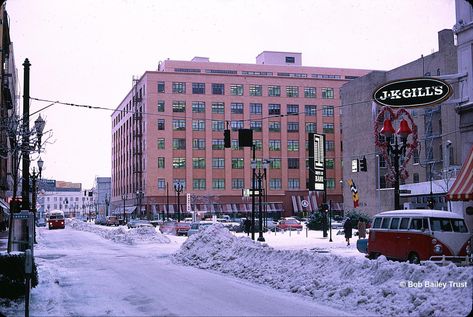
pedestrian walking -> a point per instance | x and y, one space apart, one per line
361 229
347 227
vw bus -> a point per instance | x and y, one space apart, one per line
56 220
420 235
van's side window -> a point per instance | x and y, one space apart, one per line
385 224
416 224
394 223
459 225
404 223
377 222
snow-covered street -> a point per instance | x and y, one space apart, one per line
89 270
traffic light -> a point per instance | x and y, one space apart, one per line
363 164
226 139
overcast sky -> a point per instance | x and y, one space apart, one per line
87 52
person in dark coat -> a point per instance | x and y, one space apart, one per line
347 227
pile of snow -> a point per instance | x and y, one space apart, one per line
379 286
121 234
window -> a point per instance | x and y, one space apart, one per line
236 107
235 145
218 89
275 163
416 224
256 108
328 128
327 111
329 145
274 109
275 145
293 163
416 156
198 106
404 223
178 106
394 223
161 86
415 177
256 126
237 163
218 162
238 183
440 224
290 59
218 107
198 144
309 92
217 144
274 91
198 162
292 91
327 93
161 183
198 125
310 110
218 183
274 126
293 127
179 124
293 145
161 162
198 88
459 225
236 90
218 125
329 163
198 183
292 109
256 90
160 144
160 124
179 162
377 222
293 183
160 105
385 223
275 183
178 144
181 181
310 127
258 144
237 125
178 88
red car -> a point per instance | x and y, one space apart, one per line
174 227
289 224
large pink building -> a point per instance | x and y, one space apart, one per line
170 129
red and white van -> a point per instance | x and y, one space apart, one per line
56 220
420 235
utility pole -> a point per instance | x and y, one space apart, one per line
25 192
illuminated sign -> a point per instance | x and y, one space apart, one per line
316 161
413 92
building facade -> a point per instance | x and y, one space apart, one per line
102 195
438 157
169 129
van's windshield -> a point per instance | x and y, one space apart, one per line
448 225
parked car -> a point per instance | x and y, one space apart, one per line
136 223
289 224
197 227
112 221
173 227
41 222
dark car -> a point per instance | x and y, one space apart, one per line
176 228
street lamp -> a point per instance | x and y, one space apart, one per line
107 203
260 175
124 197
139 197
34 177
178 187
397 151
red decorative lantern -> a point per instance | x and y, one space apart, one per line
404 129
387 129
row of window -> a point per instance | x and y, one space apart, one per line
237 183
237 163
179 106
253 90
219 144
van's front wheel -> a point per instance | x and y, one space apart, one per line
413 258
373 255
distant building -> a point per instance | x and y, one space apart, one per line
170 126
102 195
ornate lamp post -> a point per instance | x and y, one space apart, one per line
260 176
397 150
178 187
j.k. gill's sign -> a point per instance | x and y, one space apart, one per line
413 92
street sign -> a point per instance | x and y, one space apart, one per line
305 203
413 92
188 202
316 161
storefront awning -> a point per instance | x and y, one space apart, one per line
128 210
462 188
